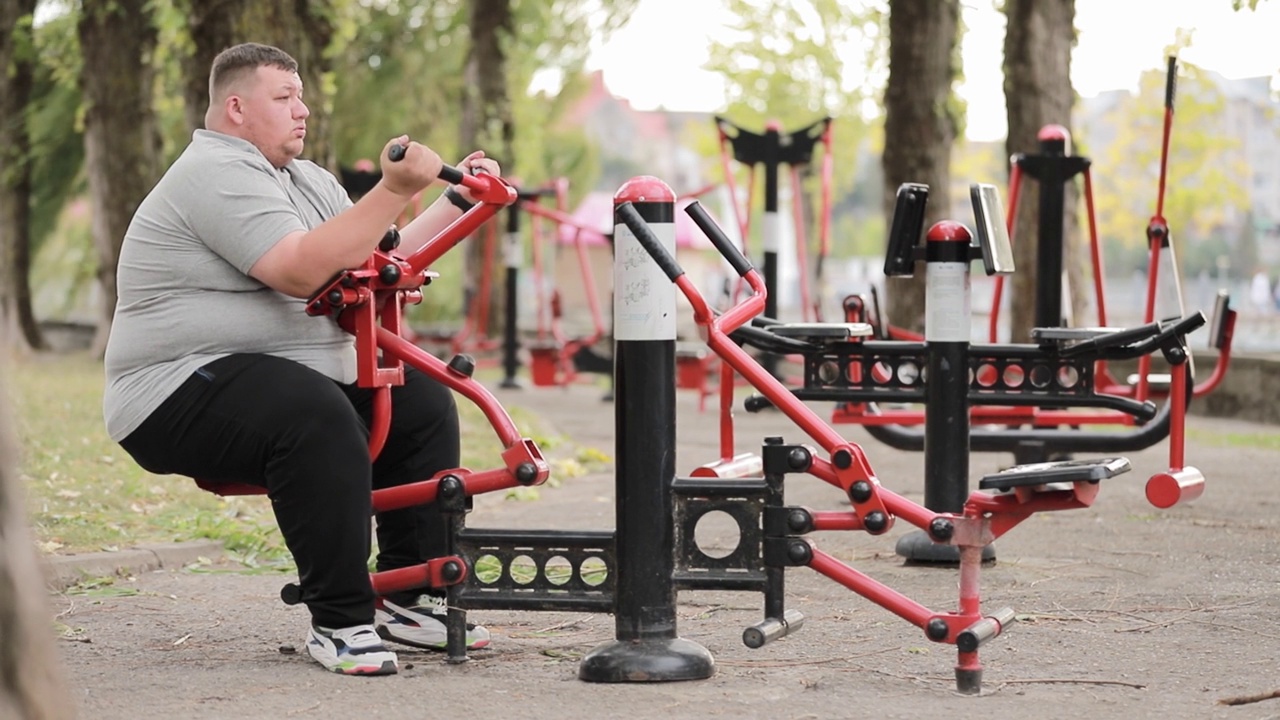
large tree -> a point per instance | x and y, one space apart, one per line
121 142
920 124
486 100
486 120
1037 90
17 59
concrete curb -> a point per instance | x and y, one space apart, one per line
64 571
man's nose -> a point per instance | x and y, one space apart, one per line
301 111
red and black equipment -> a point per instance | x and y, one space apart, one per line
1046 384
555 358
836 350
1053 168
1037 431
369 302
615 572
513 261
773 149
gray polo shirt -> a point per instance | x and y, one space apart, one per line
185 295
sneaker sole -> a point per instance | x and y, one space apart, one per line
387 668
328 662
385 634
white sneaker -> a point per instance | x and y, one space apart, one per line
422 624
351 651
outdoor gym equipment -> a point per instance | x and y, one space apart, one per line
652 553
1053 167
1041 431
607 571
1048 383
1034 426
772 149
555 358
368 302
834 350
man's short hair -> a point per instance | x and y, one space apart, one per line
239 61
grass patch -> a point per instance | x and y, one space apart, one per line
85 494
1259 440
524 570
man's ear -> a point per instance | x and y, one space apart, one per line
234 106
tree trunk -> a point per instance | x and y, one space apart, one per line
302 29
919 125
17 57
487 120
120 136
1038 92
31 684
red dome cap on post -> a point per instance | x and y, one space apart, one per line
1055 134
949 231
644 189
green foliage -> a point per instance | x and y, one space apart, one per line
172 45
796 62
1205 162
83 491
401 72
54 117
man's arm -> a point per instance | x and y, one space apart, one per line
428 224
301 262
437 216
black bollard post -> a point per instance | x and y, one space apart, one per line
773 148
1052 168
946 435
772 231
513 258
646 647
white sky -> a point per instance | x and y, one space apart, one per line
656 59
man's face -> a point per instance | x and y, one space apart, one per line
274 116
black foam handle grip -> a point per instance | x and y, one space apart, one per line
1171 82
630 217
702 219
451 174
448 173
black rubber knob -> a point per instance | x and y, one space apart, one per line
463 365
860 491
390 240
291 594
941 529
875 522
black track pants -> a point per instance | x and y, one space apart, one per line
271 422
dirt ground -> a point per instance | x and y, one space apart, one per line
1125 611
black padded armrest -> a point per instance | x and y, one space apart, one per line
762 339
823 332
